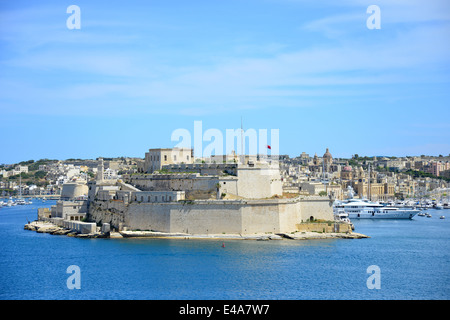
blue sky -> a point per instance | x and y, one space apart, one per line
138 70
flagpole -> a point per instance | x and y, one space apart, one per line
242 142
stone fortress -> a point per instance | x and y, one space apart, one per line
172 194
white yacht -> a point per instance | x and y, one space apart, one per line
365 209
20 201
10 202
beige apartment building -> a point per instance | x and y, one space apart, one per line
378 191
155 159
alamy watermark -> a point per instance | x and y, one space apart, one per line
74 20
374 280
213 142
374 20
74 280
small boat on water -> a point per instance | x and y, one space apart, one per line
10 202
429 215
442 217
422 214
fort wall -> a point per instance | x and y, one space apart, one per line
212 216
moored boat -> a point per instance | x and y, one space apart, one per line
365 209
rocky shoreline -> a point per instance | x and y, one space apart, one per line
277 236
47 227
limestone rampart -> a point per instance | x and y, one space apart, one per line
212 216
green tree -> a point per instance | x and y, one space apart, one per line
40 174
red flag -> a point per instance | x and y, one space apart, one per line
268 147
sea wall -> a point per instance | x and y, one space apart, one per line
325 227
211 216
316 208
204 217
111 211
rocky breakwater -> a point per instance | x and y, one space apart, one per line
305 235
299 235
156 234
104 232
48 227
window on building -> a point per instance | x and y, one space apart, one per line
174 158
165 157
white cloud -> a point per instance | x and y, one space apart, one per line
104 72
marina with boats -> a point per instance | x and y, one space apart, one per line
354 208
15 201
10 202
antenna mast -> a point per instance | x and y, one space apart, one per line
242 143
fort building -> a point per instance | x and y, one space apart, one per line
174 194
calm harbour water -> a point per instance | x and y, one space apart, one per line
413 257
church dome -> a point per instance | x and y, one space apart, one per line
347 168
327 157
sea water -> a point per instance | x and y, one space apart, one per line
412 258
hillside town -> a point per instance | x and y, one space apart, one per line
390 178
